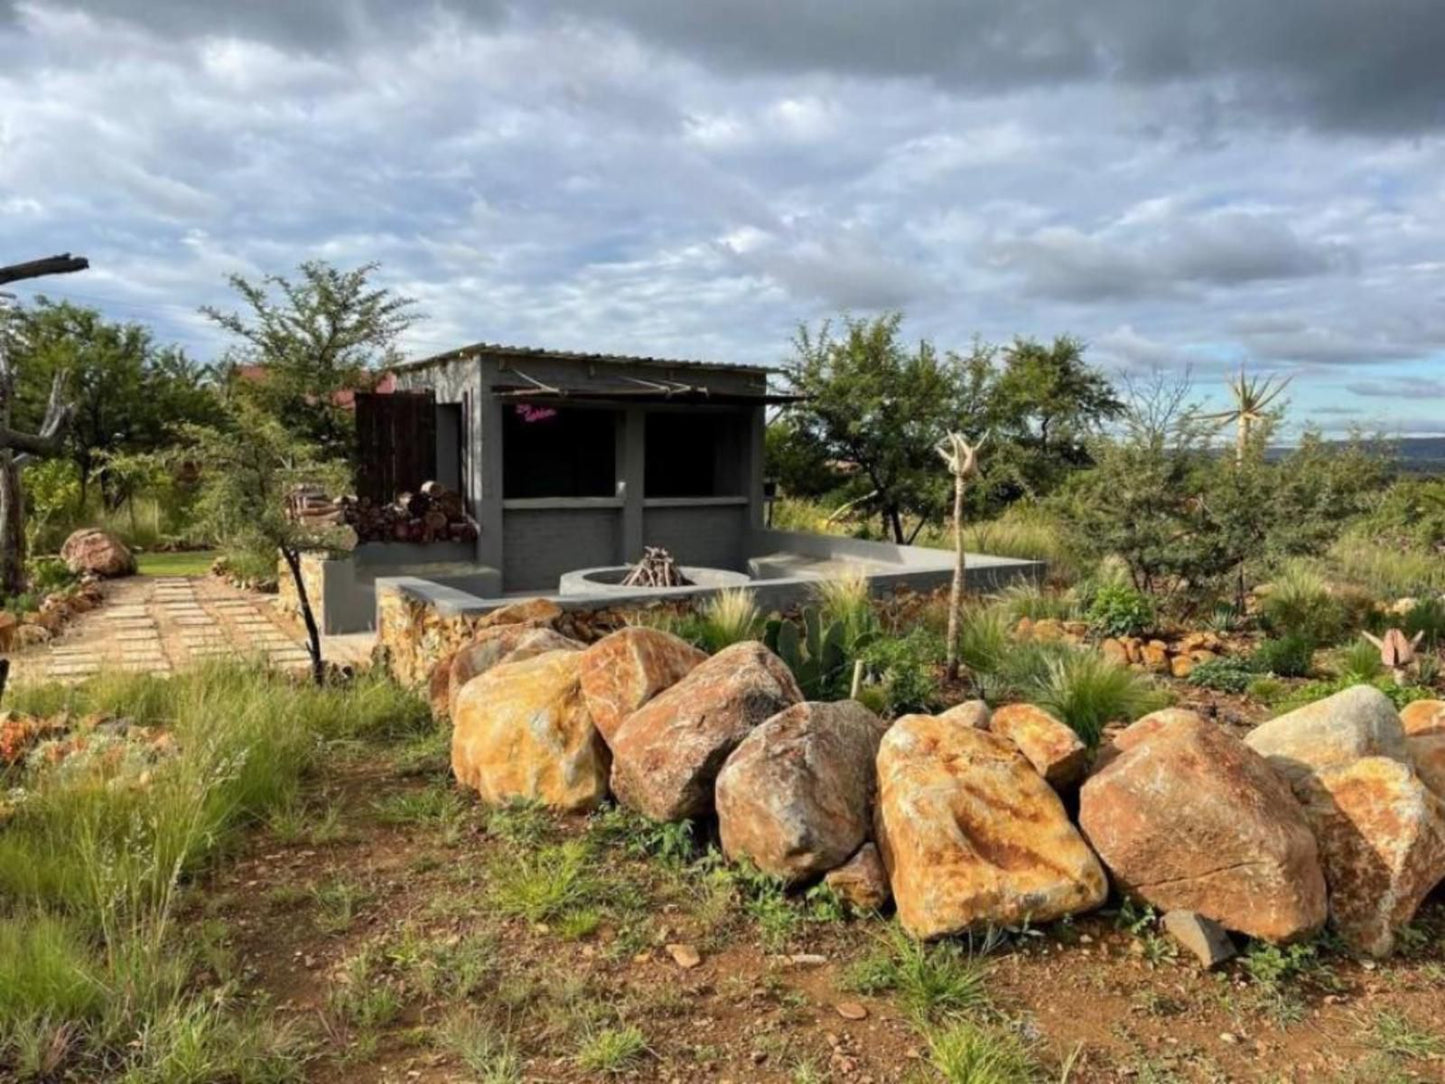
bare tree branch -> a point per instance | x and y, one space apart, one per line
63 264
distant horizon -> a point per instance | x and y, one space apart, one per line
1178 188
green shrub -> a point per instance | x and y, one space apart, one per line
1427 616
1085 690
1225 675
1300 604
904 666
1360 662
47 574
969 1053
1118 609
1289 656
1298 696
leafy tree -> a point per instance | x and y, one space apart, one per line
128 393
881 408
248 466
301 340
1045 404
1141 501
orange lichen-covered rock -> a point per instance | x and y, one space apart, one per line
1423 717
98 552
972 836
520 732
667 753
529 611
626 669
1188 818
1381 833
1052 748
861 882
1424 723
494 646
796 796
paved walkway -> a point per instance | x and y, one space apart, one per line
161 624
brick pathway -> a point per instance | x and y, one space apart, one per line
161 624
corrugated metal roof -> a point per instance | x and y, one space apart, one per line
523 352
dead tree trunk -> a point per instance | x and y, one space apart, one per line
17 448
962 460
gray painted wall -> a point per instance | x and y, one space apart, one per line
710 536
541 544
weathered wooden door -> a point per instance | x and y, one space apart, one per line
396 443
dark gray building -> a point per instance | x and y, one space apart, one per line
571 461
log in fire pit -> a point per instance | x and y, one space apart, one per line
656 569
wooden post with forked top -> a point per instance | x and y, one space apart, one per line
962 460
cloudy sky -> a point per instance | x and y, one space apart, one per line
1181 184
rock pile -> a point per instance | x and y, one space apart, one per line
1325 814
1176 657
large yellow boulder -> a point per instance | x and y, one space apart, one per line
625 670
493 647
666 755
1055 751
1188 818
972 835
1381 833
521 732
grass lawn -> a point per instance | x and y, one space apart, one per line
185 563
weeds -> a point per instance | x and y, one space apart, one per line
612 1051
545 885
967 1053
931 981
1396 1035
490 1056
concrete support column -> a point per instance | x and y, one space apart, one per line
486 445
632 469
754 466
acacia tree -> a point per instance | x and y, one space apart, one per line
248 466
300 340
872 403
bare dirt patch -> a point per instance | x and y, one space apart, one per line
414 937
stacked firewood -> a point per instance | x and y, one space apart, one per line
433 513
656 569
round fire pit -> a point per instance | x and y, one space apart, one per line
608 581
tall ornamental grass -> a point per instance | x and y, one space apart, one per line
98 850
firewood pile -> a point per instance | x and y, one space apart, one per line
434 513
656 569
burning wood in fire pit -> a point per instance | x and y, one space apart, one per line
656 569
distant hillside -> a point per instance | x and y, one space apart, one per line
1424 454
1418 455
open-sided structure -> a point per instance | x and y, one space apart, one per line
571 464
